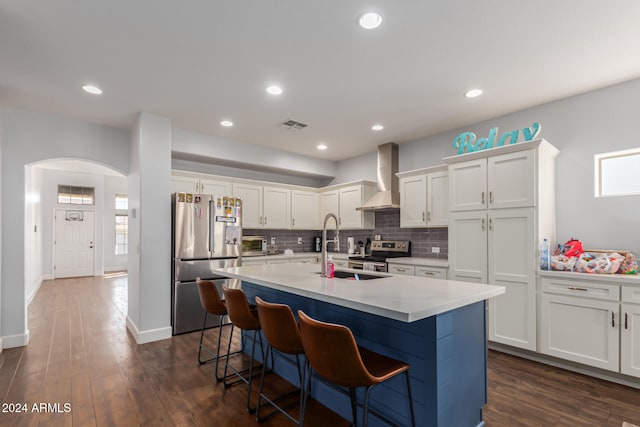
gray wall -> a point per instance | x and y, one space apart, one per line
580 127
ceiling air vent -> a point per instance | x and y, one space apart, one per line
293 125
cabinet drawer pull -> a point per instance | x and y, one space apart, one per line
429 273
400 269
613 319
573 288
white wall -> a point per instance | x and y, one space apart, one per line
580 127
34 231
30 137
112 185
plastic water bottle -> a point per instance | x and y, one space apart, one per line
545 259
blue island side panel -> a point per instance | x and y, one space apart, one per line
447 354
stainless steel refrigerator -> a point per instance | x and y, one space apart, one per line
207 234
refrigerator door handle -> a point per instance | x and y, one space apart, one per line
212 223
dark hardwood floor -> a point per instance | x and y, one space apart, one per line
81 355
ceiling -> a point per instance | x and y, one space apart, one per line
200 62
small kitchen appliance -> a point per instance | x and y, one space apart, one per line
381 250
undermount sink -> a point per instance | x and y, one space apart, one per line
354 276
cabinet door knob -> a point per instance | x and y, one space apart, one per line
490 223
265 220
423 216
483 197
483 223
491 197
293 222
429 216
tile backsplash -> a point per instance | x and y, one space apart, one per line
387 226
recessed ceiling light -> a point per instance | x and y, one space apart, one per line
274 90
473 93
94 90
370 20
226 123
322 147
377 127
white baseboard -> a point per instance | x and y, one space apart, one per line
147 336
33 293
116 268
11 341
47 277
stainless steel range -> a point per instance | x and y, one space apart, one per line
380 251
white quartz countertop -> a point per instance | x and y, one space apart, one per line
426 262
404 298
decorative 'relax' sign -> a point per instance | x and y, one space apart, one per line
466 142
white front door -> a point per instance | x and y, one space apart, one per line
74 243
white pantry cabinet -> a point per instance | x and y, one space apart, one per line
424 197
305 210
502 204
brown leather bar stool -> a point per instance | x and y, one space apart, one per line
246 318
283 335
214 305
333 353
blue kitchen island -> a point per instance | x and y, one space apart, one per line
437 326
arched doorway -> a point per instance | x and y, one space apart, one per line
68 234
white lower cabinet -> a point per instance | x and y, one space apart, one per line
406 270
581 330
595 321
417 270
630 332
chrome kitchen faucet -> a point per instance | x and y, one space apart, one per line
335 240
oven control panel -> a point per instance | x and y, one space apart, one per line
390 245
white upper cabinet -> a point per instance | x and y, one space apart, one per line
468 185
343 201
276 208
264 207
251 196
424 197
329 203
511 180
413 201
305 210
501 181
197 184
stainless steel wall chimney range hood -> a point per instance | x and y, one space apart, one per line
388 194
